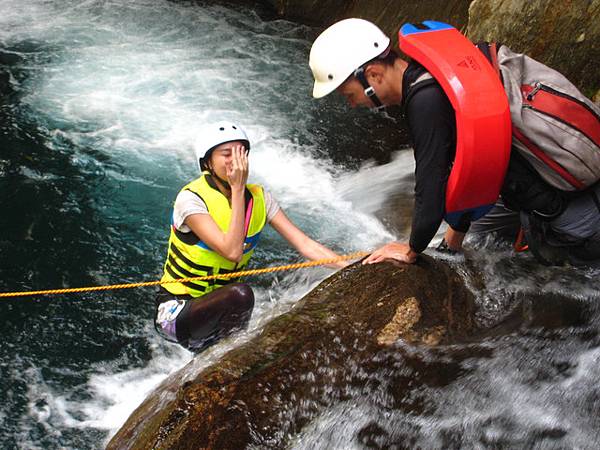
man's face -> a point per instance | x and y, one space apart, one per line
354 93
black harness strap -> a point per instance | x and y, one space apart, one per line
595 198
490 51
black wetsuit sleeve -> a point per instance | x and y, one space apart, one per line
432 125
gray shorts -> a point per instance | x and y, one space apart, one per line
581 218
580 221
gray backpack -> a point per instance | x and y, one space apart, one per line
554 126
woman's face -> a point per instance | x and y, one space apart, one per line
221 157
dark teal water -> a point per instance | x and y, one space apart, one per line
99 105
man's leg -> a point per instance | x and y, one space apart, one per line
499 220
578 228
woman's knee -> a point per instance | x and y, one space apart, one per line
242 295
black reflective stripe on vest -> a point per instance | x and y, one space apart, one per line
221 270
184 273
188 238
208 269
223 281
191 285
172 266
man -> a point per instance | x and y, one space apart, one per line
354 58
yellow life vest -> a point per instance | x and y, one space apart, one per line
189 257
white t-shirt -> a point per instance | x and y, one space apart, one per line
188 203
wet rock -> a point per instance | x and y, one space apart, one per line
564 35
9 58
4 82
332 346
548 311
389 15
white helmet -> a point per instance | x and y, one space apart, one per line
216 134
341 49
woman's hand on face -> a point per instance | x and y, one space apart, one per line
237 171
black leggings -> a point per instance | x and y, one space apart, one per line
204 320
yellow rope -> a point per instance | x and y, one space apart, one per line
320 262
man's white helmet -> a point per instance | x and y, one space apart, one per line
216 134
341 49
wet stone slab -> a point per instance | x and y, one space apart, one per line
341 341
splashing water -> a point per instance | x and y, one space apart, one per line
105 98
100 104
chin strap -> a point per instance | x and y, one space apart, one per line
369 91
221 180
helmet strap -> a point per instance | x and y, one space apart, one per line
223 182
210 170
219 182
368 89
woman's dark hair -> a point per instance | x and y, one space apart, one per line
204 161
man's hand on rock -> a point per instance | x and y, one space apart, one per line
394 250
453 241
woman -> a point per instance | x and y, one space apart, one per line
217 222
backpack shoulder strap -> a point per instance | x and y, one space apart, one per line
490 51
423 80
423 77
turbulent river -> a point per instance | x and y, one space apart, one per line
99 105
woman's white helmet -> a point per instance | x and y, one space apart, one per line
341 49
212 135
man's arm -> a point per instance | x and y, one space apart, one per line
433 128
432 124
